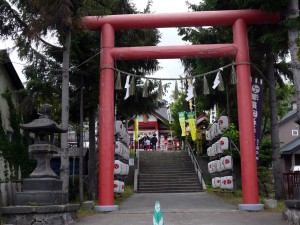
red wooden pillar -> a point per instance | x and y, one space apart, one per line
106 120
245 115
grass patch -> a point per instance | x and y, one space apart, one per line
280 206
84 211
236 198
127 193
233 197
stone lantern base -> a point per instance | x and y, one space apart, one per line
50 214
41 198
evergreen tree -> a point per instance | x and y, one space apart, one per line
267 43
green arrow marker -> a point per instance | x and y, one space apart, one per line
157 215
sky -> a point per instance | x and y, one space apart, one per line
170 67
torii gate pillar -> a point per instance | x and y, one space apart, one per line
239 19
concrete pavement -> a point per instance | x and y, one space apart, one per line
198 208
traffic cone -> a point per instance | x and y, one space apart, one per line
157 215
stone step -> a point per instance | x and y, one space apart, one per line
179 174
167 172
169 183
169 190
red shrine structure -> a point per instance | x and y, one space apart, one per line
239 49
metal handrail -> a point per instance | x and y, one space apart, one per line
196 165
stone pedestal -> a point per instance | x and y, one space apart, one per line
36 215
42 200
42 187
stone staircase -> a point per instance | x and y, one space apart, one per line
170 172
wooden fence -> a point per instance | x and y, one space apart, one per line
7 192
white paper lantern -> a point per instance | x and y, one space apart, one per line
118 186
222 163
120 168
219 166
223 183
217 182
216 129
207 135
219 129
227 162
223 123
229 182
223 141
213 182
119 127
219 150
126 152
213 149
209 167
118 148
209 151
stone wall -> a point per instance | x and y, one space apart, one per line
37 215
292 211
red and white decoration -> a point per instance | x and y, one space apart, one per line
119 186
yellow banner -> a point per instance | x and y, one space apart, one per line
192 125
136 129
182 122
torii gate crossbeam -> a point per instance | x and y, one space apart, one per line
238 19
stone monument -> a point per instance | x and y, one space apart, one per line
42 196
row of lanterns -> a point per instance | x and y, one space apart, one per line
225 182
217 128
121 167
121 132
121 150
218 147
224 163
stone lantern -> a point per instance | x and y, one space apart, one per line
43 186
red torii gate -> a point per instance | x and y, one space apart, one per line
238 19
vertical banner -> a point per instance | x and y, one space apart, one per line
191 120
182 122
136 129
257 113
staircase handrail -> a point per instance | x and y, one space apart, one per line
196 165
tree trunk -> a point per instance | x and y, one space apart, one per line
64 167
275 142
81 146
293 12
92 163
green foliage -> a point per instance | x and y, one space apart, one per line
127 193
265 181
180 105
15 152
233 135
74 189
265 153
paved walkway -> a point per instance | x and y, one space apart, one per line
182 209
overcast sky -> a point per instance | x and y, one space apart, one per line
170 67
